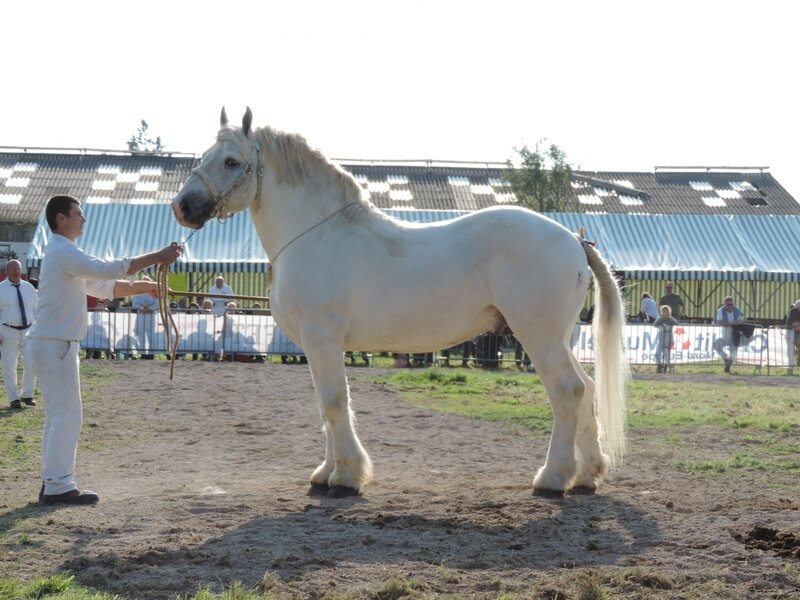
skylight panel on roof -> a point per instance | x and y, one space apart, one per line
146 186
127 177
104 184
600 192
701 186
108 169
589 199
10 198
397 179
486 190
401 195
729 194
18 181
630 200
497 182
142 201
378 186
742 186
458 180
714 201
5 173
150 171
361 178
623 182
505 198
23 166
98 200
578 184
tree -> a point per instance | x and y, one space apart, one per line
141 142
534 184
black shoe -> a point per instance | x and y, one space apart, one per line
727 366
71 497
15 404
29 401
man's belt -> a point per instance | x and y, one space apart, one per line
18 327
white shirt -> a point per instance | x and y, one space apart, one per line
68 274
219 303
144 301
9 302
649 307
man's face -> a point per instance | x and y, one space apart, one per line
669 289
219 281
71 225
14 271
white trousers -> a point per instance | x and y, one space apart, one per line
14 343
57 365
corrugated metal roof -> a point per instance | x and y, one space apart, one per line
741 248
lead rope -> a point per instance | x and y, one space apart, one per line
167 321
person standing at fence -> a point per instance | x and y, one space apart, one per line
18 302
793 323
673 300
664 323
728 317
67 275
648 310
145 307
220 288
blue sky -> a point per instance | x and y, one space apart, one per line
617 85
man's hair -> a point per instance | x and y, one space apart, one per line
59 205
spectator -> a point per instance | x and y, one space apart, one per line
220 288
99 332
648 309
728 316
145 307
674 301
665 323
18 302
793 322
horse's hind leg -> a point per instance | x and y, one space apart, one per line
346 463
592 463
565 389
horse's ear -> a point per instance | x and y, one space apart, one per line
247 121
223 118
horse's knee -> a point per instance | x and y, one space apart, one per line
335 408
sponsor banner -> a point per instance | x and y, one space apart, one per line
693 344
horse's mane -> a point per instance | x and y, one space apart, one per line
296 162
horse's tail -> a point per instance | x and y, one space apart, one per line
611 368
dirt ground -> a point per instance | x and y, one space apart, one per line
204 481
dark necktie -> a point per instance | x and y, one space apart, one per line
21 306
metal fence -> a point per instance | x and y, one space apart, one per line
124 334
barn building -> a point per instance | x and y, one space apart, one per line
713 231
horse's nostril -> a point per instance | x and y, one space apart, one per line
184 206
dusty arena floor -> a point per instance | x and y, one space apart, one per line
204 481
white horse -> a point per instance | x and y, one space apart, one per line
345 276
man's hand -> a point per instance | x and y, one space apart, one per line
169 254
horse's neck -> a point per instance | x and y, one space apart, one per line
293 211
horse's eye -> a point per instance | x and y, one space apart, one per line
231 163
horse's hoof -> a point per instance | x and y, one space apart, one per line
341 491
317 489
548 493
582 490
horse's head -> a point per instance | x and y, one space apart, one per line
226 180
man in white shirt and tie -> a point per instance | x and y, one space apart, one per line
68 274
18 301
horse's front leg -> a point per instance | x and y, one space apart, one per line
347 467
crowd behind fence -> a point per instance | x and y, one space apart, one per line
124 334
